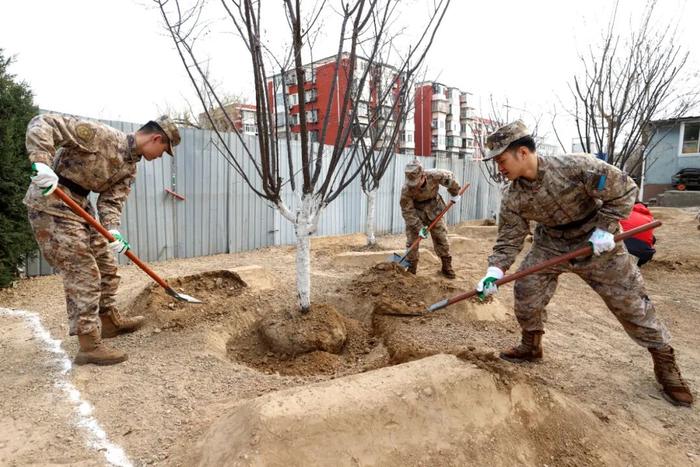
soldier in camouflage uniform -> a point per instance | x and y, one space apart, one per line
420 205
576 200
81 157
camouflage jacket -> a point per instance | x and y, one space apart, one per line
94 156
413 198
571 196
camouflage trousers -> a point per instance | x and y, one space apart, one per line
613 275
427 213
81 255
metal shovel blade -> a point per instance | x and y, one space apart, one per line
400 259
182 296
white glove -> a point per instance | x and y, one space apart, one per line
119 245
455 199
44 177
601 241
487 284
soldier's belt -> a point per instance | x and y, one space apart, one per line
73 187
575 224
425 201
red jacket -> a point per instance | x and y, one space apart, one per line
640 215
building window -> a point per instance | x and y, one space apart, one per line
294 119
310 96
690 133
250 129
362 109
310 74
290 78
313 136
312 116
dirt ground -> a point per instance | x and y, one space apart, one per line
191 364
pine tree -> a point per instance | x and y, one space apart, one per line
16 109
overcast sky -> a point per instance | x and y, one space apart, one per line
112 59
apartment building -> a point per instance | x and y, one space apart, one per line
444 122
243 117
323 100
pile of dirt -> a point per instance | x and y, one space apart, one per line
674 265
435 411
217 289
289 332
484 232
389 282
366 247
372 341
366 259
362 351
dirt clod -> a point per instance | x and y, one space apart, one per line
293 333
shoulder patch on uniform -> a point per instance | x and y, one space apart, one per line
85 132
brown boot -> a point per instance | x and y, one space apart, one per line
529 350
675 389
447 270
413 268
92 350
113 323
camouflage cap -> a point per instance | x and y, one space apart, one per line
499 140
168 126
413 172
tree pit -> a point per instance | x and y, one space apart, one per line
289 343
218 290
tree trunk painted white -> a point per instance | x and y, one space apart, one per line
303 267
371 216
305 222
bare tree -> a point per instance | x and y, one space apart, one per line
489 119
380 143
626 81
186 115
365 26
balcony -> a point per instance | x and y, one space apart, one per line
441 106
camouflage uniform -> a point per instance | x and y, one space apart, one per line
91 157
571 196
420 205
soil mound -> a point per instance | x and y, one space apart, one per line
390 284
217 289
370 341
675 265
436 411
361 352
292 333
366 259
479 232
460 246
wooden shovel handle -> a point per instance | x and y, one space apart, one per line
583 251
105 233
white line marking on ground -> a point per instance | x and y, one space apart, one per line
96 438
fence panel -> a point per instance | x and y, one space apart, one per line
220 213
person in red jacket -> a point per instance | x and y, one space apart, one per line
642 244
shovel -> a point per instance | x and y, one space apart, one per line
93 222
401 260
584 251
